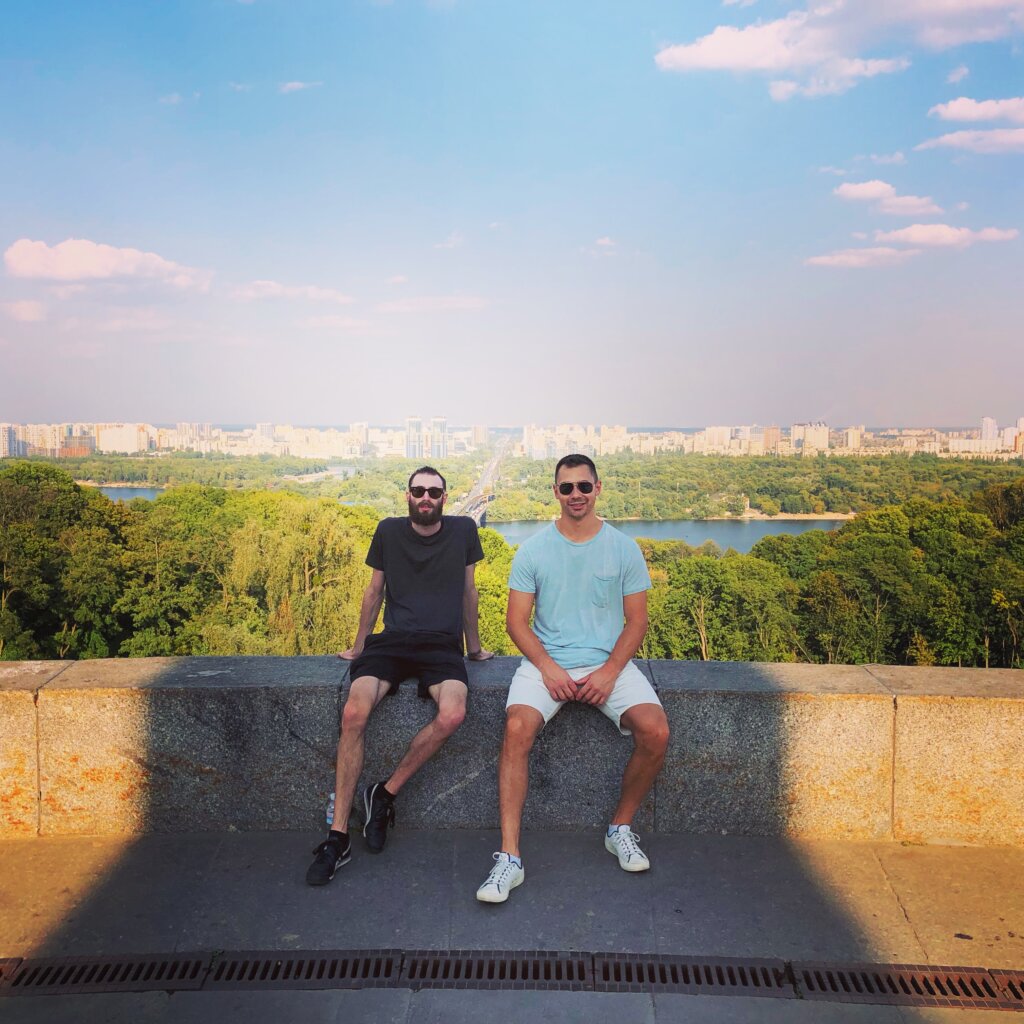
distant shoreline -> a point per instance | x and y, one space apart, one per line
752 516
783 516
123 483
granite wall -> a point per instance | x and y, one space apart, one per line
211 744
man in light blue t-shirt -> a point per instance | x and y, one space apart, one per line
586 584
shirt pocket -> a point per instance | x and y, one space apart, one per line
603 589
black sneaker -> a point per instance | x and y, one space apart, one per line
329 857
380 815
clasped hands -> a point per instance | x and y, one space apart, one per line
594 688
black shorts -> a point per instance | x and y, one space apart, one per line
430 658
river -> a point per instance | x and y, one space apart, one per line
127 493
739 534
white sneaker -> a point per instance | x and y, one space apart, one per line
504 876
625 844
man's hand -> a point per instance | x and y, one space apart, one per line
480 655
559 683
352 653
597 687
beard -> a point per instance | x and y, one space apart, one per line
428 518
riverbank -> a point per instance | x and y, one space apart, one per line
134 484
757 516
752 515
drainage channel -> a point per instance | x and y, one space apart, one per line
536 970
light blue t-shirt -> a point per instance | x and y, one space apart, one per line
579 589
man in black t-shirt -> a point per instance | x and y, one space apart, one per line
424 574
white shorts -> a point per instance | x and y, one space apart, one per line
631 688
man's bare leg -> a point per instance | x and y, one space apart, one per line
450 697
649 726
522 724
364 695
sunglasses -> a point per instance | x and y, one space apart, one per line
434 492
584 487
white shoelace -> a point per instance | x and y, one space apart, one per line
629 843
500 873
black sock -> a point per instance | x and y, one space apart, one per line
383 790
341 838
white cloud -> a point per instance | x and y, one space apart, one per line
239 86
495 224
885 198
804 43
398 279
433 304
964 109
287 87
958 74
275 290
78 259
882 159
861 236
782 89
860 258
334 322
822 49
25 311
606 242
453 241
828 169
944 235
864 190
738 3
989 141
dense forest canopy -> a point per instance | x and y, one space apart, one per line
930 572
673 486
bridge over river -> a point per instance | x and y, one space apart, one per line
475 503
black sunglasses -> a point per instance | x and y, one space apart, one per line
434 492
584 486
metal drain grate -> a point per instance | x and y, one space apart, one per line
7 967
307 968
638 972
80 974
1011 983
490 969
900 984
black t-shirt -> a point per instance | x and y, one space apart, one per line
424 577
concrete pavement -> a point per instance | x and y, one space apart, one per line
705 895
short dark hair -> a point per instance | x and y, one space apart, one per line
572 461
431 471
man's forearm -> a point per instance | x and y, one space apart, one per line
529 643
630 639
368 612
471 621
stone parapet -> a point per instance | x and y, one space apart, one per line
212 744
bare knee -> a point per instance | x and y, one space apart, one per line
652 734
521 728
450 718
354 717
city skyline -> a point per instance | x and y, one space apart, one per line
434 440
316 212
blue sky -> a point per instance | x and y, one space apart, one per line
508 212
